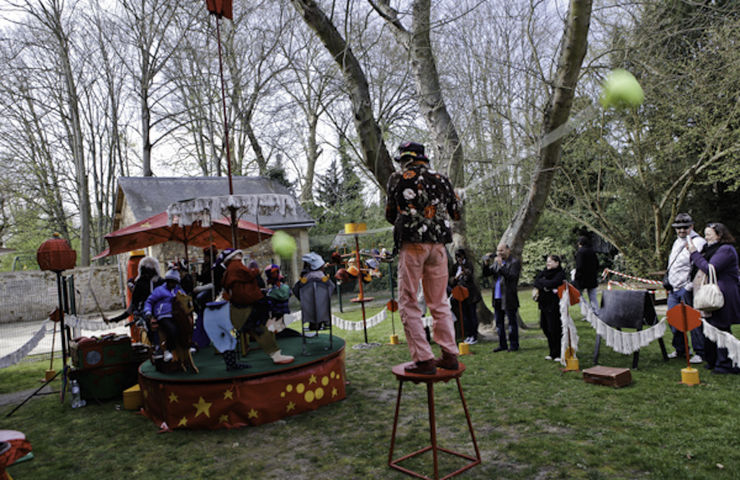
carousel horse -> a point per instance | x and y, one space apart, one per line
182 316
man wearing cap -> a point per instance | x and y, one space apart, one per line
420 204
679 280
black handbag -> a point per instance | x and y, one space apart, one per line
666 284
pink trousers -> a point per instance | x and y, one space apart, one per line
428 262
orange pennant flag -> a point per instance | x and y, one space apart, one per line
573 293
683 317
460 293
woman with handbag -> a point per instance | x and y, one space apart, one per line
719 255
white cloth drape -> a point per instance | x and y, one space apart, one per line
205 209
624 342
341 323
26 348
569 334
724 340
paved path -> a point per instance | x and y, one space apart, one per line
14 335
16 398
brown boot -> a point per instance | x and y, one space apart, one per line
448 361
426 367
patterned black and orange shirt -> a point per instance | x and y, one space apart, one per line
420 204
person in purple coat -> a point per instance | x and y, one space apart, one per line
720 253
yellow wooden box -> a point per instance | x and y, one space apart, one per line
132 399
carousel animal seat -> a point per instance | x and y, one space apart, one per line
628 309
315 297
217 323
182 317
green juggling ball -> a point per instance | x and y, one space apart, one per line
620 90
283 244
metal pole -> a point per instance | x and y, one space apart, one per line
393 294
359 279
63 333
232 210
60 295
685 334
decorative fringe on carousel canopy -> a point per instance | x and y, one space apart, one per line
204 209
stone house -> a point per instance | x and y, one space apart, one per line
138 198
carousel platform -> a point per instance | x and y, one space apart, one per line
216 398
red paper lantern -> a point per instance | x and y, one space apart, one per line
56 255
221 8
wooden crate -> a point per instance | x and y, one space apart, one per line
610 376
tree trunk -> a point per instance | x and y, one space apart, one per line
450 156
146 153
556 114
53 16
312 154
376 157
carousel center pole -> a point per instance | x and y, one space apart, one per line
232 210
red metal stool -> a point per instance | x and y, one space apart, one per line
442 375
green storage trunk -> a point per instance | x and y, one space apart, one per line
106 366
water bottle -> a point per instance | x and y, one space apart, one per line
77 400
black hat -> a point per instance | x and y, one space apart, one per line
682 220
411 149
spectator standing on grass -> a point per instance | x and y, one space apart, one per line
420 204
505 269
463 274
547 282
679 281
587 272
720 253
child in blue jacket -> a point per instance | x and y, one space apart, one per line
159 308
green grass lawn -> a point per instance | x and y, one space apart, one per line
531 421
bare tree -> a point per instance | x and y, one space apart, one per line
309 84
152 30
53 22
418 44
375 154
252 60
556 114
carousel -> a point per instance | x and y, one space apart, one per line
197 391
265 392
201 393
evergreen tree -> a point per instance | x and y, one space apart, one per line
278 174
